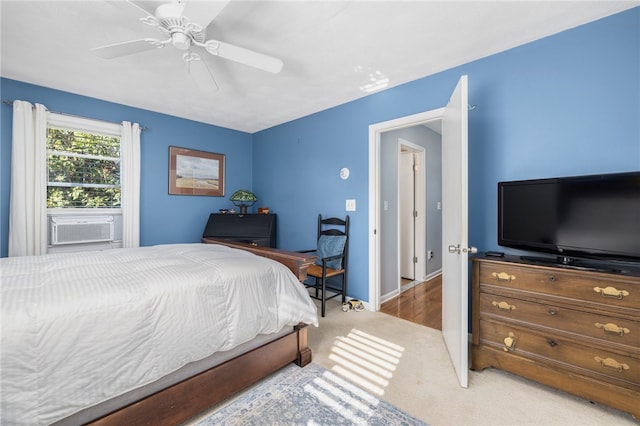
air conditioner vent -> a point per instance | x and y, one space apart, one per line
81 229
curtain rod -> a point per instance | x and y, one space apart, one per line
10 103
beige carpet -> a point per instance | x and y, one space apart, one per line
408 365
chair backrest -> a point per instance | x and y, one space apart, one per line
335 226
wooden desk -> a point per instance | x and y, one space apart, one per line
298 263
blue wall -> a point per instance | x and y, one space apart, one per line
565 105
164 218
568 104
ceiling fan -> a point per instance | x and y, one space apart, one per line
184 34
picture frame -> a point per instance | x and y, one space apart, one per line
193 172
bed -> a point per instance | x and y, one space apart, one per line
143 336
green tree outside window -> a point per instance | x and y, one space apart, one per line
83 169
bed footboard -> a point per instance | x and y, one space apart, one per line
297 262
186 399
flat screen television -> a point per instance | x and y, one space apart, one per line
592 217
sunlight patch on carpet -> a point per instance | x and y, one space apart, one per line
366 359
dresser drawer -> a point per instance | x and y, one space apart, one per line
599 326
607 289
595 361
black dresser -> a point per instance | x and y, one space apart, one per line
254 229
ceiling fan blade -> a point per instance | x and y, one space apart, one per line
127 48
200 72
204 12
244 56
133 8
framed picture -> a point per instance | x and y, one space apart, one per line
194 172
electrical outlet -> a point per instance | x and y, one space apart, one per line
351 205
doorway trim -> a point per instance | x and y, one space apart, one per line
375 130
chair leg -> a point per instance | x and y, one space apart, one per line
344 289
324 288
316 281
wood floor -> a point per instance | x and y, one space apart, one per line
421 304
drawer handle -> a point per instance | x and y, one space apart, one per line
509 342
503 276
611 363
503 305
611 292
611 328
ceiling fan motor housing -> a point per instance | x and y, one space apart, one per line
182 31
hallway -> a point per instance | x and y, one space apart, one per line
421 304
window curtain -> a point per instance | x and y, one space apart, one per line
28 199
130 181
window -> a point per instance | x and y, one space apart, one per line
83 163
83 183
96 159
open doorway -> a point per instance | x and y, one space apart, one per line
411 222
453 119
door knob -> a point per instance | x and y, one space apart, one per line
458 250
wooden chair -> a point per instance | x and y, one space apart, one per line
332 259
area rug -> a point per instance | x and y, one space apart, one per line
307 396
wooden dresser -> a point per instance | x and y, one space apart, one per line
574 330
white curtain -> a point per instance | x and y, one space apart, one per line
28 208
130 181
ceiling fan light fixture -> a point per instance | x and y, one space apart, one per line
180 40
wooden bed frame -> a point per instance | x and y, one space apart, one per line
297 262
190 397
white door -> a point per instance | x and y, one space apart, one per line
455 238
407 220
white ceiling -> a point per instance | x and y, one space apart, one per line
329 50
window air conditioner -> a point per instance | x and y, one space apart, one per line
81 229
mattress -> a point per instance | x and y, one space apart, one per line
79 329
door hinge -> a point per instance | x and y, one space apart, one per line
415 259
415 213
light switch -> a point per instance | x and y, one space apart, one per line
386 205
351 205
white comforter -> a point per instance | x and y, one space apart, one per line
80 328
